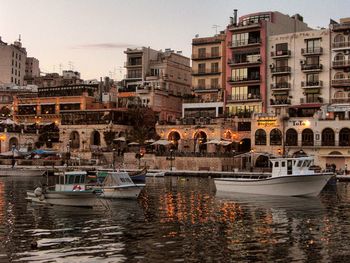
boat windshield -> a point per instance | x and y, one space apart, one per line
75 178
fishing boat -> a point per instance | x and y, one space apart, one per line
289 177
138 176
118 184
69 191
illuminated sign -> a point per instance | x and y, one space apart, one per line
300 123
266 122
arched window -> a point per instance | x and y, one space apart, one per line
307 137
260 137
200 139
74 140
291 137
328 138
339 95
339 75
95 138
13 143
339 57
275 137
344 137
339 38
174 138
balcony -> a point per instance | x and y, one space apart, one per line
311 67
311 100
205 72
245 25
341 45
129 89
246 79
340 27
280 86
206 89
280 102
312 51
233 62
244 43
341 63
245 98
340 82
205 56
311 84
280 70
281 54
132 64
341 100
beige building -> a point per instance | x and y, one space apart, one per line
159 79
298 79
32 67
12 63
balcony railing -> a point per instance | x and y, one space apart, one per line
133 64
207 88
340 82
311 84
280 53
283 85
341 63
311 67
206 56
345 44
312 51
252 78
281 70
205 72
244 62
248 97
311 100
243 43
340 27
280 102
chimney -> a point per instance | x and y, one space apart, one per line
235 17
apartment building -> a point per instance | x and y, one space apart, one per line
208 77
247 55
12 63
156 79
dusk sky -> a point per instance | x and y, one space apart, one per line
92 34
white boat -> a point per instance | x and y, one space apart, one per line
70 191
289 177
156 174
118 184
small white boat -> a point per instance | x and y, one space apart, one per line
156 174
289 177
118 184
70 191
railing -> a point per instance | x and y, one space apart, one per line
206 88
206 55
341 100
204 154
133 64
200 100
249 42
312 83
312 51
133 89
205 72
246 97
278 70
239 62
244 79
345 44
283 85
311 67
341 63
280 102
341 82
339 27
281 53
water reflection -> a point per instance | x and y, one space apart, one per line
174 220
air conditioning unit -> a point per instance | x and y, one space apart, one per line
302 62
347 52
272 65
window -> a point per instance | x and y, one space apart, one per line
328 137
283 164
312 79
291 137
214 83
313 45
240 39
307 137
281 64
201 52
201 83
276 164
214 67
275 137
201 68
215 52
313 60
281 49
344 137
239 74
260 137
239 93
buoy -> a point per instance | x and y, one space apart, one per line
38 191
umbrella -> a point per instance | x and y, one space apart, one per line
120 139
225 143
133 143
7 121
161 142
149 141
41 151
215 141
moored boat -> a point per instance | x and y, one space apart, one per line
289 177
69 191
118 184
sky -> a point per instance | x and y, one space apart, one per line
90 36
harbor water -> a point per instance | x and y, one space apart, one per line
176 220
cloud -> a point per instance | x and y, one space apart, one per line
105 46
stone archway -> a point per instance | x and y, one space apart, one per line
200 139
74 139
262 161
174 137
13 142
244 145
95 138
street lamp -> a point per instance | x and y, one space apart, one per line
171 158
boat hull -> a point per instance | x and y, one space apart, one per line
131 192
298 185
69 198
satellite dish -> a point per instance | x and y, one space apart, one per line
197 35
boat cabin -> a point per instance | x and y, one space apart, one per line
292 166
71 181
118 179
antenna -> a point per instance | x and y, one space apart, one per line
60 65
19 38
216 28
71 65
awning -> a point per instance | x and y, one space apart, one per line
161 142
120 139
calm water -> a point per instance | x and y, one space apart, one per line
177 221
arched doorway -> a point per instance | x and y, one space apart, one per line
336 159
174 138
74 140
291 137
307 137
13 143
262 161
344 137
200 139
328 137
95 138
244 145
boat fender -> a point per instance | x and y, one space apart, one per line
76 187
38 191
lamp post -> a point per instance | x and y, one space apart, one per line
68 152
113 159
171 158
